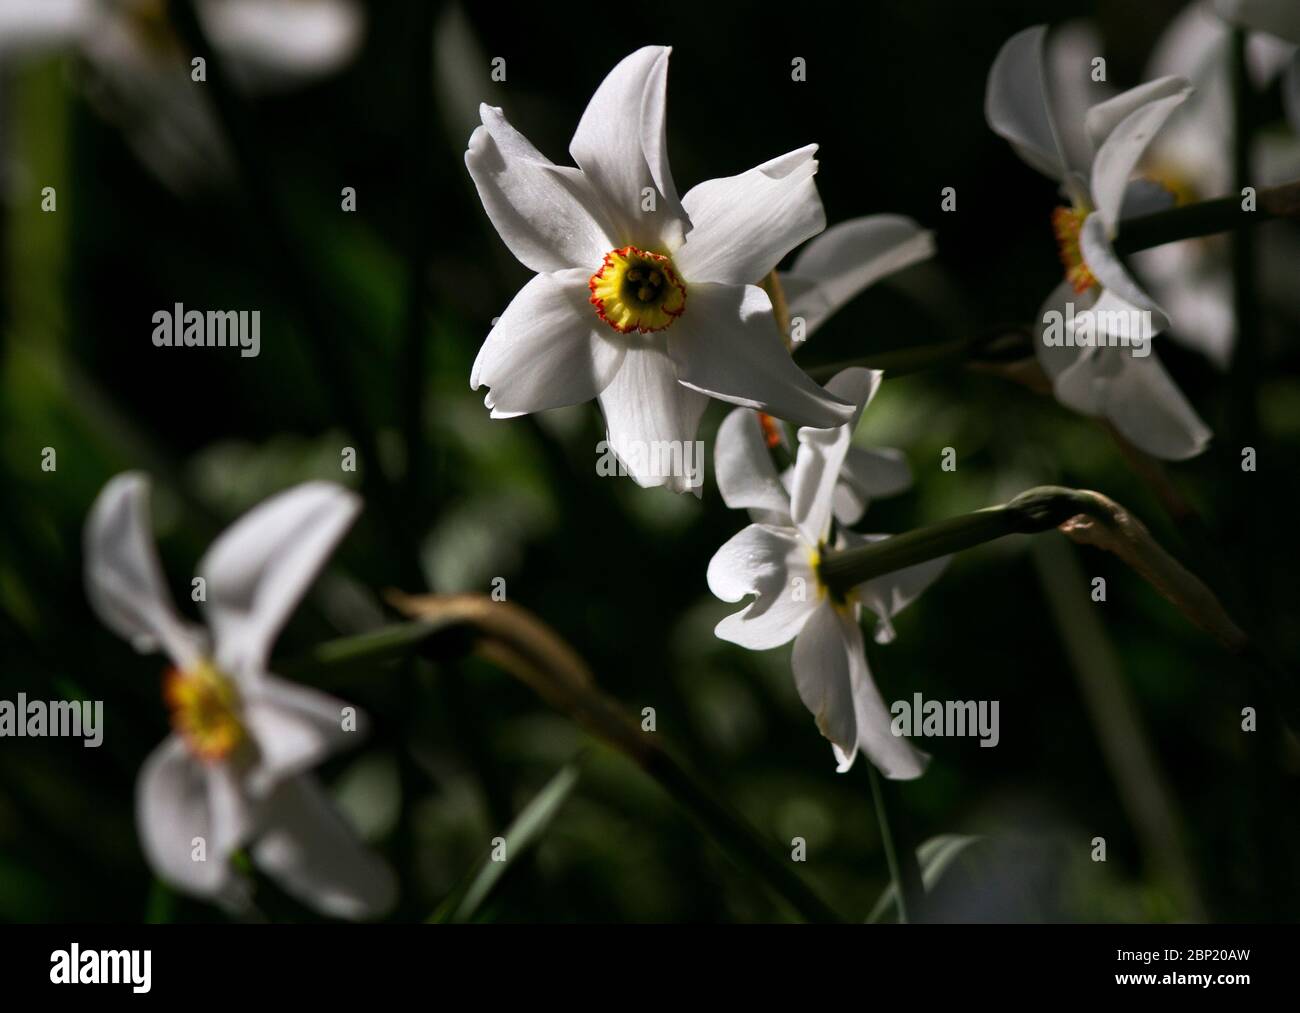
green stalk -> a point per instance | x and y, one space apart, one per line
900 856
1039 509
1191 221
1206 218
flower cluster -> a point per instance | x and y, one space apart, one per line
652 304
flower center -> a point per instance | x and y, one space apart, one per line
1066 223
843 602
204 704
635 290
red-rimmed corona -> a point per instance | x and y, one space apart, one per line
636 290
1067 223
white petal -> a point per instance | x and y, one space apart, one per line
272 44
1071 49
652 420
1017 104
1192 280
1104 117
548 349
259 568
747 477
775 565
866 474
1128 138
294 728
822 452
548 215
313 854
1190 44
184 810
28 26
823 676
858 386
1115 322
1146 406
621 146
1107 268
726 345
1057 358
743 225
816 472
1081 386
847 258
124 582
892 754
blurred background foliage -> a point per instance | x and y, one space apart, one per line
1200 819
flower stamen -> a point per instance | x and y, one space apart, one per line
771 431
1067 223
636 290
205 709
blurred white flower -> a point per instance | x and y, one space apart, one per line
1190 160
1112 371
777 561
235 772
141 77
1280 19
644 301
846 259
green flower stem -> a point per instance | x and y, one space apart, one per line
1206 218
1039 509
900 856
1089 518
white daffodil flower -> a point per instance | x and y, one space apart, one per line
644 301
1280 19
777 561
235 772
1189 161
1095 329
846 259
142 77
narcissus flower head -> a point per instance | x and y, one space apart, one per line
1104 366
642 300
235 771
778 561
